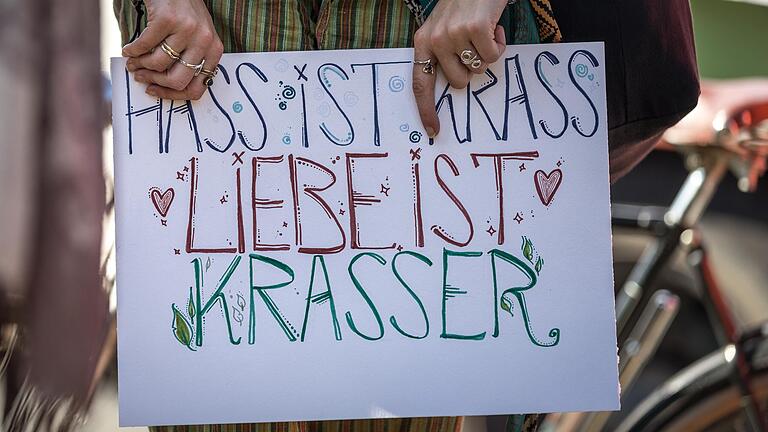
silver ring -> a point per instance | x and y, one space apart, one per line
196 67
172 53
428 68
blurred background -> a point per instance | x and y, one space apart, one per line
56 229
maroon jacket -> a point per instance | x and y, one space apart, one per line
652 77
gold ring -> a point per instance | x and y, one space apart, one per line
428 68
172 53
209 75
469 58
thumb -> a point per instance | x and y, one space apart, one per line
501 39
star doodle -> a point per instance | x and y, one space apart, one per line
384 190
490 230
522 167
177 251
518 218
285 224
164 222
179 175
223 199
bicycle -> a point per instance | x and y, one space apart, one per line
727 389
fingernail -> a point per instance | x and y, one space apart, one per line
431 132
150 91
130 66
140 78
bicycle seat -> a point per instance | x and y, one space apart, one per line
722 105
731 115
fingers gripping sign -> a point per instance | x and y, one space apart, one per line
177 53
194 90
463 38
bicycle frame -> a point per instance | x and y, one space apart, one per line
640 332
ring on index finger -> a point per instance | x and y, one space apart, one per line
469 58
428 67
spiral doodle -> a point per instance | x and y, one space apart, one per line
324 109
396 84
582 70
237 107
289 92
281 66
415 137
350 99
282 105
404 127
286 139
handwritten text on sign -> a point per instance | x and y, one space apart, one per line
293 246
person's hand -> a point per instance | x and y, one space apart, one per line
186 27
455 26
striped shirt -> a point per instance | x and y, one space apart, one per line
300 25
295 25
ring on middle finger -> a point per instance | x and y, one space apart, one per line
195 67
469 58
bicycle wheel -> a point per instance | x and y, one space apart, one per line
702 397
721 411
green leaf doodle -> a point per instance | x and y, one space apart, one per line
527 249
191 305
516 294
506 305
181 328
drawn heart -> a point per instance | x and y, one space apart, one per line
547 184
162 200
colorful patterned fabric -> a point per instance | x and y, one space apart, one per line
293 25
525 21
549 31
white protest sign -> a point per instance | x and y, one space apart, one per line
294 247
